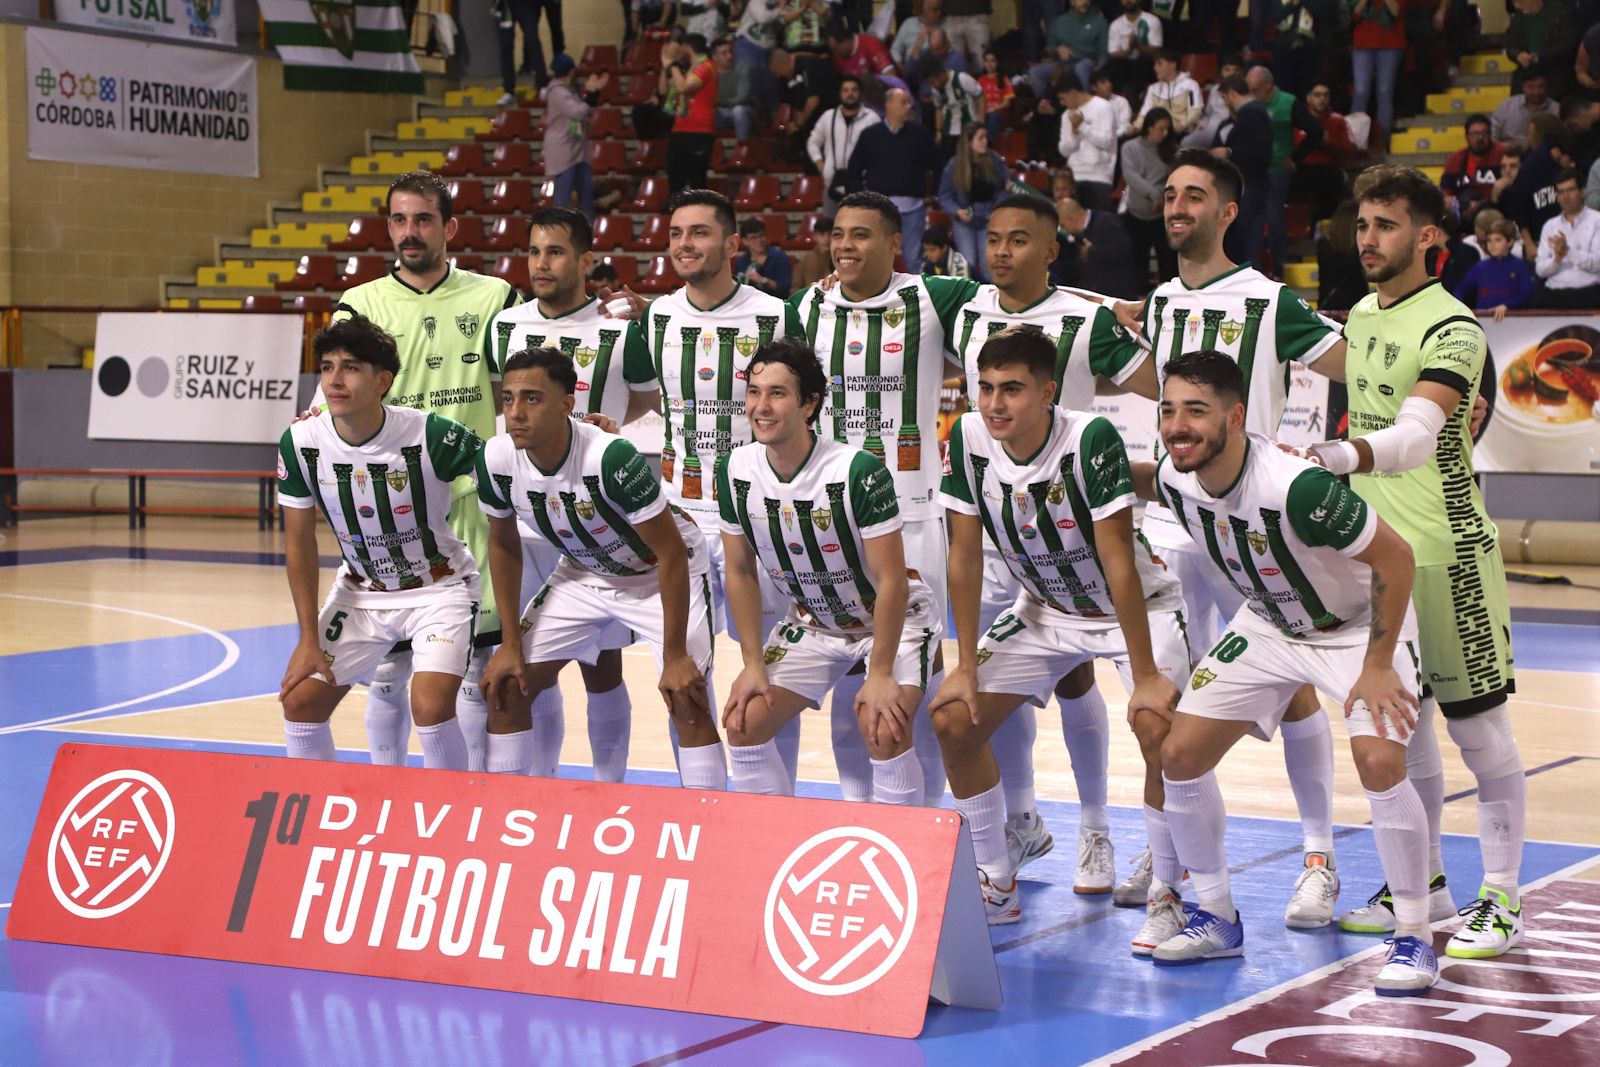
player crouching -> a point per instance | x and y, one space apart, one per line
628 559
381 476
822 519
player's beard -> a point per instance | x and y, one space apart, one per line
710 266
419 259
1386 268
1198 243
1208 449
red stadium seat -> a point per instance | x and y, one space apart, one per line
508 159
467 261
641 87
607 122
1202 66
369 233
650 199
513 269
757 193
607 157
313 272
314 303
612 232
469 233
804 195
507 234
461 160
511 124
263 302
641 57
649 158
1012 145
466 195
813 228
777 228
748 157
627 268
938 218
652 238
598 59
780 119
358 270
658 278
511 196
1297 220
1038 179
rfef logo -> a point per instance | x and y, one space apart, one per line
841 911
111 844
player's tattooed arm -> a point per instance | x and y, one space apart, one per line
1392 703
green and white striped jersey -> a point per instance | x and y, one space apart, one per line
700 358
1259 322
610 354
387 500
885 358
1040 512
443 337
808 533
1284 535
1089 341
589 505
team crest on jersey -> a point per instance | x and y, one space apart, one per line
822 517
467 323
361 481
1391 352
584 356
1230 331
554 502
1020 501
788 517
397 480
1223 529
894 317
585 508
430 326
983 655
746 346
773 654
1258 541
1192 328
1202 678
1372 343
705 341
1056 493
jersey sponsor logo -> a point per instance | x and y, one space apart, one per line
830 547
366 511
469 357
796 548
434 362
893 348
563 533
1202 678
1234 565
1028 533
582 387
598 530
1269 572
746 346
585 508
397 480
110 844
438 639
467 323
1361 382
1386 390
705 374
1318 514
1066 524
855 348
1391 352
403 509
283 471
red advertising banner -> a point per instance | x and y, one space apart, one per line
846 916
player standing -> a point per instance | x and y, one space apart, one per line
1326 585
628 560
438 317
616 379
1053 487
822 518
382 477
1416 354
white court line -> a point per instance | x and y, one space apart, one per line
229 658
1235 1008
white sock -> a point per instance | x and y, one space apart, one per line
472 712
1198 820
849 751
1308 757
1400 830
1490 752
705 767
610 722
509 753
925 742
388 715
549 731
443 747
986 822
1012 743
897 780
308 740
1088 735
1165 869
757 769
1425 771
788 742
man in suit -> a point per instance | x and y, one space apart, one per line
1103 252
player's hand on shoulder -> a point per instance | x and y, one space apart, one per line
1130 314
1393 707
309 413
605 422
1480 405
306 661
624 304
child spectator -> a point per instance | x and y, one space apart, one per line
1499 282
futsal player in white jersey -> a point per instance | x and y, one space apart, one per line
821 518
1327 591
628 560
615 379
1052 487
884 338
382 478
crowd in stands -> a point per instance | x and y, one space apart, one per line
1085 102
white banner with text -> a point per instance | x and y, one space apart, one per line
209 21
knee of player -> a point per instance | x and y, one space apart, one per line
1151 732
307 702
1380 764
953 723
1181 762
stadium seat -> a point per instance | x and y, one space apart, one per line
777 228
313 272
658 278
507 234
652 237
1037 179
369 233
607 122
780 119
641 87
461 160
469 233
939 218
467 261
508 159
649 158
651 197
263 302
513 269
511 195
748 157
641 57
511 124
607 157
757 193
314 303
1012 145
1202 66
804 195
359 270
612 232
812 228
1297 220
627 268
599 59
466 195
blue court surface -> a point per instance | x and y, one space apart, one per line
1073 993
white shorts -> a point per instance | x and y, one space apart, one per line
355 640
809 660
1208 596
1031 647
773 601
575 610
539 559
1000 587
1249 676
927 549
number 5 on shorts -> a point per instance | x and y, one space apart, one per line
335 626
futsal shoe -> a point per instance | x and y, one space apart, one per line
1002 904
1206 937
1097 867
1163 920
1377 916
1026 843
1134 890
1410 970
1311 903
1493 927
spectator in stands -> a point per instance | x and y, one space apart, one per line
1510 167
736 101
1483 224
694 125
1341 280
1591 192
1216 114
859 53
1470 174
1174 92
974 181
913 40
509 14
810 85
1452 255
1586 68
834 138
1247 140
1511 118
1131 43
1542 36
654 16
998 93
1580 113
967 24
895 157
1569 249
1297 49
805 26
1146 162
1499 281
566 133
1079 37
939 258
1102 85
1531 201
957 102
1104 252
604 276
1321 173
760 30
816 263
1380 40
1034 18
708 18
760 263
1088 141
1289 116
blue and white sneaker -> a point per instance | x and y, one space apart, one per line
1411 969
1206 937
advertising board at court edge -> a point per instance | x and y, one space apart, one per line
770 908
